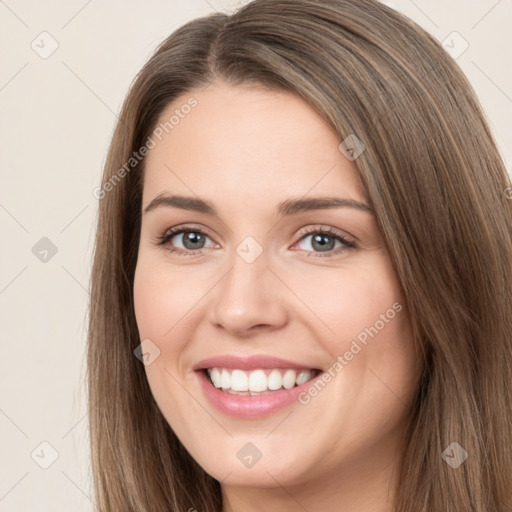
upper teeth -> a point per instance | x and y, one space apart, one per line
258 380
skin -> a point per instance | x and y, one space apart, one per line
246 149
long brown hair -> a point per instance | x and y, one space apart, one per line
442 196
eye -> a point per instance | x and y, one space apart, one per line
192 240
324 240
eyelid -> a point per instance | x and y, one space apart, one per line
346 240
165 237
319 228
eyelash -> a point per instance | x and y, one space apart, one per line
162 240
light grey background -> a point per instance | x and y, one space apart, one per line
57 114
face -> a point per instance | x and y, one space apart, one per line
264 288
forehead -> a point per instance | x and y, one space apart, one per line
247 143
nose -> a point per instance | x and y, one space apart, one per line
249 299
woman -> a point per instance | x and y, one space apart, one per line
300 297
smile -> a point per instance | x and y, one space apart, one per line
259 381
255 404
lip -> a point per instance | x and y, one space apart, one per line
249 363
251 407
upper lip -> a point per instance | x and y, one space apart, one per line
248 362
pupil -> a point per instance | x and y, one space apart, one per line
321 240
192 237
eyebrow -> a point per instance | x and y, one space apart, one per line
288 207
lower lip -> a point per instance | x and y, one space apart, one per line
244 406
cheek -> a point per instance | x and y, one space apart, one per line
162 299
349 302
367 324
